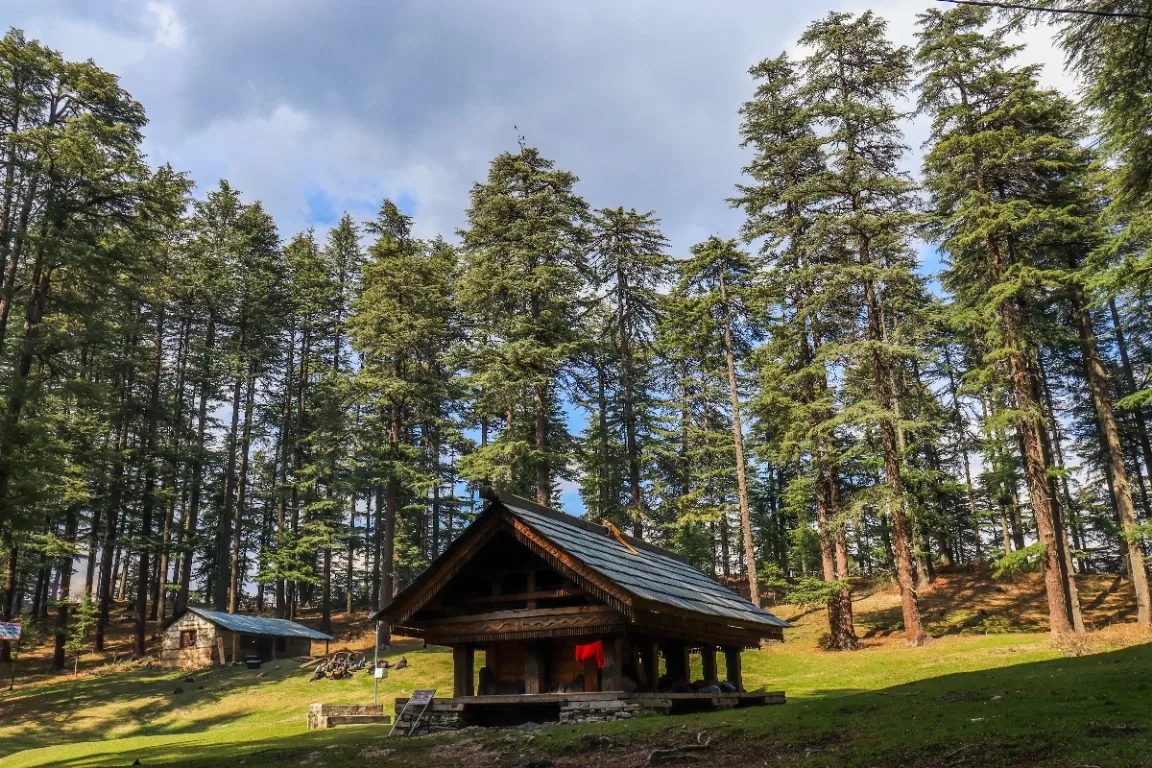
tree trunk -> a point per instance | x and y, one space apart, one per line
349 573
143 567
377 513
543 470
40 591
282 458
1053 435
388 548
602 489
847 628
962 438
635 493
1137 413
108 544
902 534
71 523
224 526
1059 603
9 594
1110 431
192 517
738 441
160 605
236 582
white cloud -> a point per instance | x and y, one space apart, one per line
356 100
169 32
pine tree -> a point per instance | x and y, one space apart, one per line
403 326
630 264
524 249
852 77
1111 54
72 176
993 133
716 276
795 405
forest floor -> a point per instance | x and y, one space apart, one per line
990 689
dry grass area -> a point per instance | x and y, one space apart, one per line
968 601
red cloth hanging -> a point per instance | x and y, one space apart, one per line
591 651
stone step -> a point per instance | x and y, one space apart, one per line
341 720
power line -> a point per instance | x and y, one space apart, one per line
1042 9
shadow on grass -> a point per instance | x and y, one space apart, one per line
144 703
45 714
1092 710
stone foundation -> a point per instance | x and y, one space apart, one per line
332 715
455 713
599 711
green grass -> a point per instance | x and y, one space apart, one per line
1004 698
87 720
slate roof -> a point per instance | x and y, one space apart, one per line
258 625
651 574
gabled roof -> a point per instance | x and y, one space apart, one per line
651 573
651 576
258 625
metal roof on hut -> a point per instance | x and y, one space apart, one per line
258 625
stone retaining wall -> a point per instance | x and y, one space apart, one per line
455 713
319 714
598 711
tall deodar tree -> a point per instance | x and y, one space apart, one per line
862 206
525 258
997 142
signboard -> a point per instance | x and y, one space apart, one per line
421 698
381 673
418 699
10 630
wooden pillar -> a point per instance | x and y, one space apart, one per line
613 674
533 668
676 661
463 660
708 659
732 662
650 662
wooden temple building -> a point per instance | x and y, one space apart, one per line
555 617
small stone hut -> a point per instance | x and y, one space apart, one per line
564 608
201 638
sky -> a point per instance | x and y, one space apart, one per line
316 108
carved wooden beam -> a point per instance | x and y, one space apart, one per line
524 625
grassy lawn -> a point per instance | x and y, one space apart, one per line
1008 697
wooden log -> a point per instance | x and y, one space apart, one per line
708 659
732 664
463 661
676 660
613 673
533 669
650 661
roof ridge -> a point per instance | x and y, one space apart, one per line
504 497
